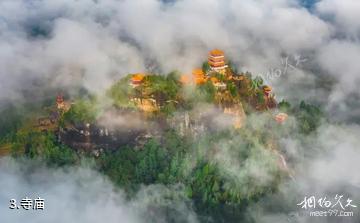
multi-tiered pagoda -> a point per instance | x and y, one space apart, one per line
217 61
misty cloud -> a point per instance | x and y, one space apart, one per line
326 166
80 194
85 43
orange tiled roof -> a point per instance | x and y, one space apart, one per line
200 80
198 72
216 52
137 77
267 88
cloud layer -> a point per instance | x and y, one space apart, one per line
84 195
66 44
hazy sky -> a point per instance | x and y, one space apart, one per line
66 43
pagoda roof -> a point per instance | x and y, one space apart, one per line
200 80
138 77
267 88
216 53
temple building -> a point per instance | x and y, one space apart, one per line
199 76
217 61
61 104
267 90
137 79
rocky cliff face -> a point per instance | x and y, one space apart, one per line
208 118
